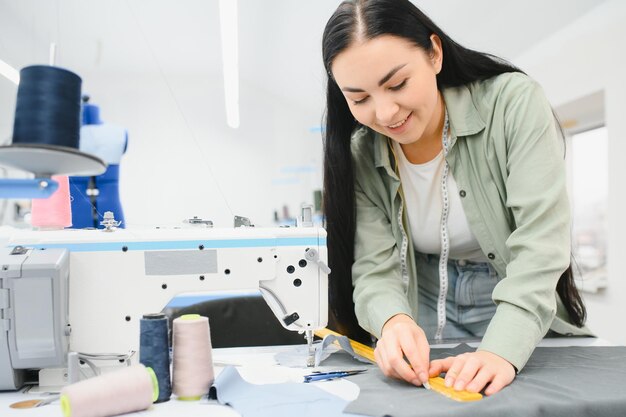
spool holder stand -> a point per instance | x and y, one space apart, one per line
44 161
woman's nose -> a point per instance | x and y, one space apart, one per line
386 110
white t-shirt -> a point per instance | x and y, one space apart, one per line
421 185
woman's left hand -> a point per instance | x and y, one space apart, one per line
473 371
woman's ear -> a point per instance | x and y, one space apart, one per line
436 55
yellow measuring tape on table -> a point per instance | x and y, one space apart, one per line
437 383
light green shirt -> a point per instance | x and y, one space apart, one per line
508 161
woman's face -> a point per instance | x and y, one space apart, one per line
390 86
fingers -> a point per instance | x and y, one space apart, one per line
473 371
481 379
417 352
403 351
438 366
499 382
390 356
380 355
463 371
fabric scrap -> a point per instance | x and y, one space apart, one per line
271 400
322 351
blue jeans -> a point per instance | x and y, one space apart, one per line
469 307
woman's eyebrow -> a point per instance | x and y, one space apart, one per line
380 83
390 74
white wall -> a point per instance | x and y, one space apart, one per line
183 160
156 69
583 58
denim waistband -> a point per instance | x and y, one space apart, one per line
464 264
469 304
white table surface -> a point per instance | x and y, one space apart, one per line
256 365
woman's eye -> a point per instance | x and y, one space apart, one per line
357 102
398 86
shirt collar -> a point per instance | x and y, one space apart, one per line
383 153
465 120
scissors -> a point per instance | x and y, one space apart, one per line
327 376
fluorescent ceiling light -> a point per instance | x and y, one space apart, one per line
230 60
9 72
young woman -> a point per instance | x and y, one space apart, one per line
445 199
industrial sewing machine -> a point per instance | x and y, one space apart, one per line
85 290
72 294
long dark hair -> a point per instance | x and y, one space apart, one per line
367 19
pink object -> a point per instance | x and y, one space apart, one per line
123 391
54 212
192 362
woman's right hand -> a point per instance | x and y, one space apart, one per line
403 338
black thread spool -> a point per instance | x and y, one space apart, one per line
154 351
47 110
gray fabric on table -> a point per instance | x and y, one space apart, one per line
563 381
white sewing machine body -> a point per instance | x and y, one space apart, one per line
108 280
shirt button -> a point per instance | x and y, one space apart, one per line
462 193
491 256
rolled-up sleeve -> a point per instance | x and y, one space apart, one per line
540 244
379 292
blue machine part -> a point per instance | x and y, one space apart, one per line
93 196
91 114
88 209
27 188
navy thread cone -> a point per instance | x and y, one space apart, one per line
47 110
154 351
